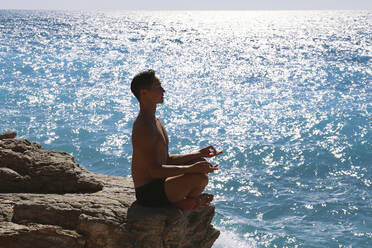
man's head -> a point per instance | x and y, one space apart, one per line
146 85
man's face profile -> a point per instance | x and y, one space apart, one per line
155 94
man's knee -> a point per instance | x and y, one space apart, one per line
200 179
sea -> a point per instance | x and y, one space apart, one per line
286 95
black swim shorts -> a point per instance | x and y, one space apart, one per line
152 194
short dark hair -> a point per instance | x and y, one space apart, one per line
142 80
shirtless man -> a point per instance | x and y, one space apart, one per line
161 179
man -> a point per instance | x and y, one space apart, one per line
161 179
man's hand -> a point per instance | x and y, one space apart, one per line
209 152
203 167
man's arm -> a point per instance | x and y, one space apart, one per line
182 159
146 144
186 159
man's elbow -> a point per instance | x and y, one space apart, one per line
155 172
169 159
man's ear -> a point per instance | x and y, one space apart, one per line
143 92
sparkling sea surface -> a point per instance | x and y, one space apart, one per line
286 95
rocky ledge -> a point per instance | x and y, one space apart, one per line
48 200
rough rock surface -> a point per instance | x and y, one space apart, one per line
26 167
48 200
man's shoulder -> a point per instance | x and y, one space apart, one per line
142 123
143 129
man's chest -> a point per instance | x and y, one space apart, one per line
161 133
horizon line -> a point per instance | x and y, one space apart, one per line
67 9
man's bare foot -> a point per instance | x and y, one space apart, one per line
194 203
188 204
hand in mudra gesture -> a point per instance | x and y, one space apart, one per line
209 152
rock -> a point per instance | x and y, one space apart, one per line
94 211
15 235
8 135
26 167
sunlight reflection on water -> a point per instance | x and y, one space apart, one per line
286 95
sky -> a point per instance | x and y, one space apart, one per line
186 5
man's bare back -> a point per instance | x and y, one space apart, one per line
162 179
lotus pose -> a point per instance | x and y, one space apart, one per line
161 179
